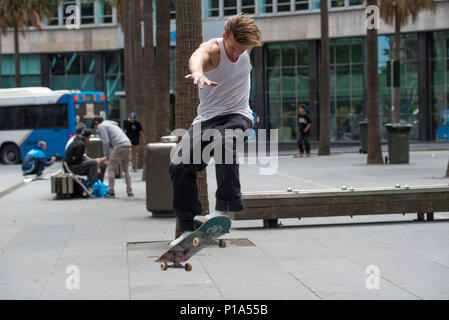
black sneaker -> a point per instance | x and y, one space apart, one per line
131 195
110 195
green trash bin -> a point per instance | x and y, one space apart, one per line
398 142
363 136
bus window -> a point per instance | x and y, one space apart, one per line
33 117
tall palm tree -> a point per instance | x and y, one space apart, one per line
162 98
188 38
397 13
372 95
324 144
20 15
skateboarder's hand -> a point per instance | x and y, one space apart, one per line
201 80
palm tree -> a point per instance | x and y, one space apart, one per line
188 39
20 15
397 13
324 144
372 95
162 64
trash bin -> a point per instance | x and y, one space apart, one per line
363 136
94 148
398 136
158 184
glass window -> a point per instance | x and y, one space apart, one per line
315 4
230 7
288 54
283 5
356 50
33 117
274 80
356 2
337 3
302 5
248 6
342 49
343 80
302 82
357 76
274 55
104 12
266 6
73 63
57 64
212 8
87 12
111 62
88 63
288 79
302 54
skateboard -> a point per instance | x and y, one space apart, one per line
208 231
77 179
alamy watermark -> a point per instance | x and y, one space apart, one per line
372 17
72 282
199 147
73 21
372 282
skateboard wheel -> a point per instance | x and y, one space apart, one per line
222 243
197 242
188 267
164 266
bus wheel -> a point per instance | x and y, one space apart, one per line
10 154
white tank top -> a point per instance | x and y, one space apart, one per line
232 93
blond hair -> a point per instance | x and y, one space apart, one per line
244 30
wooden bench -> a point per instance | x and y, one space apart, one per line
271 206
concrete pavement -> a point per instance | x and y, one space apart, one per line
112 243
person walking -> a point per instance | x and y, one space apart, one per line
304 124
221 69
116 149
134 132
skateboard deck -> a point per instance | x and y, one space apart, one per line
209 230
77 179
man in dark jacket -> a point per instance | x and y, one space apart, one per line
81 164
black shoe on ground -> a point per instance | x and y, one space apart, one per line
110 195
131 195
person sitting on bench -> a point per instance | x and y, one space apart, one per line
79 163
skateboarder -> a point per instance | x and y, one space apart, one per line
304 124
221 69
35 160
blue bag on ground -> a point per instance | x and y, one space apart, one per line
99 189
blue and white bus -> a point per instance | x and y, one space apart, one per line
28 115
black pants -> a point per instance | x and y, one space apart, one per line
186 203
303 138
89 168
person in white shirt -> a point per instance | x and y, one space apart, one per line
221 68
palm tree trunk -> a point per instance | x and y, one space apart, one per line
163 68
372 96
17 56
324 144
149 108
188 39
128 55
396 112
137 81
